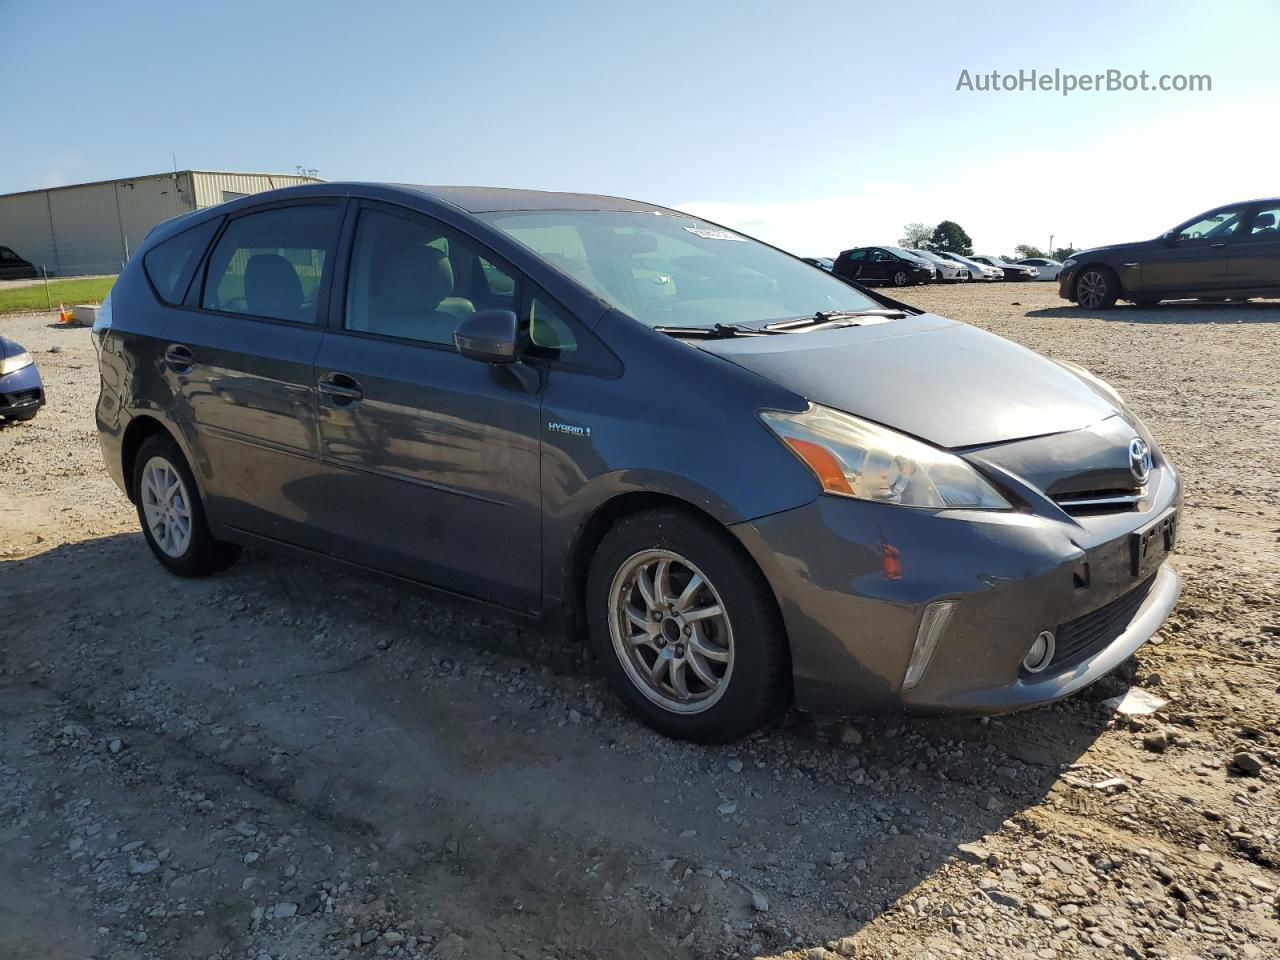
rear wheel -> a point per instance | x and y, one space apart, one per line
686 627
172 514
1097 288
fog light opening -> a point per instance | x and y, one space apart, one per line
935 619
1040 654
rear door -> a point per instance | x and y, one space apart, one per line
239 358
1194 259
850 264
430 459
1254 254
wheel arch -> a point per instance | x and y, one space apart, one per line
140 429
598 523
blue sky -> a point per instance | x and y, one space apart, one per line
815 126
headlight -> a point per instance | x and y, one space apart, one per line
1069 262
854 458
15 363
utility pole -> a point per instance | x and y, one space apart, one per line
1049 253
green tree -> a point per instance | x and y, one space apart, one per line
915 235
949 235
1024 250
1064 253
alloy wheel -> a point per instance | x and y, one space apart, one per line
670 631
900 278
1091 289
166 506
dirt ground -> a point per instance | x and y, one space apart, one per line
284 761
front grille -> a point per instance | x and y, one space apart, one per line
1081 636
1086 502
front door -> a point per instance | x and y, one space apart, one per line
1191 259
430 461
1255 252
239 360
880 264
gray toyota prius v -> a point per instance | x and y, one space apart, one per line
745 480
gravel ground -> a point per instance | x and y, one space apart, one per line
288 762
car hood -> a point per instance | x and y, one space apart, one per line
945 382
1115 248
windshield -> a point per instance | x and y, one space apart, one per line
929 256
673 270
904 254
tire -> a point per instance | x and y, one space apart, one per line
1097 288
901 278
749 665
160 468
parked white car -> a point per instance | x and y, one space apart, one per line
1049 269
977 271
948 271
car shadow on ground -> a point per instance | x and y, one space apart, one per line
1173 312
512 802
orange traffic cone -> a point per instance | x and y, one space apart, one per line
65 315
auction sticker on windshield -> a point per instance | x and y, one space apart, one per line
708 234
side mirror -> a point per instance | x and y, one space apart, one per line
488 336
1170 238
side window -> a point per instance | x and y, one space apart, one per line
416 279
550 332
857 256
270 264
879 256
1216 226
1266 225
8 255
169 264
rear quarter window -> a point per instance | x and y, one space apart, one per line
170 264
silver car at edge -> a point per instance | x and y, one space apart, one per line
948 271
742 478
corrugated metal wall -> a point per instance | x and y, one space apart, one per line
210 187
94 227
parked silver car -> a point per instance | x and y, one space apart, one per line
977 271
948 271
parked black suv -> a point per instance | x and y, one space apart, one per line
885 264
1231 252
13 267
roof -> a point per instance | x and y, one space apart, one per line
163 173
494 199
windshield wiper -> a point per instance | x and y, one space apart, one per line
717 331
824 317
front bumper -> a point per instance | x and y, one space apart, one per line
853 580
1065 283
21 392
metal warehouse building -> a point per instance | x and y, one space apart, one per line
91 227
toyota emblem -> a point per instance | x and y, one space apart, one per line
1139 459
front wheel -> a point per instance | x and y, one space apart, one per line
901 278
686 627
172 514
1097 289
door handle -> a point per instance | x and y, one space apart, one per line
1222 244
343 390
178 357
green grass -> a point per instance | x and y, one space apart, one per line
13 299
